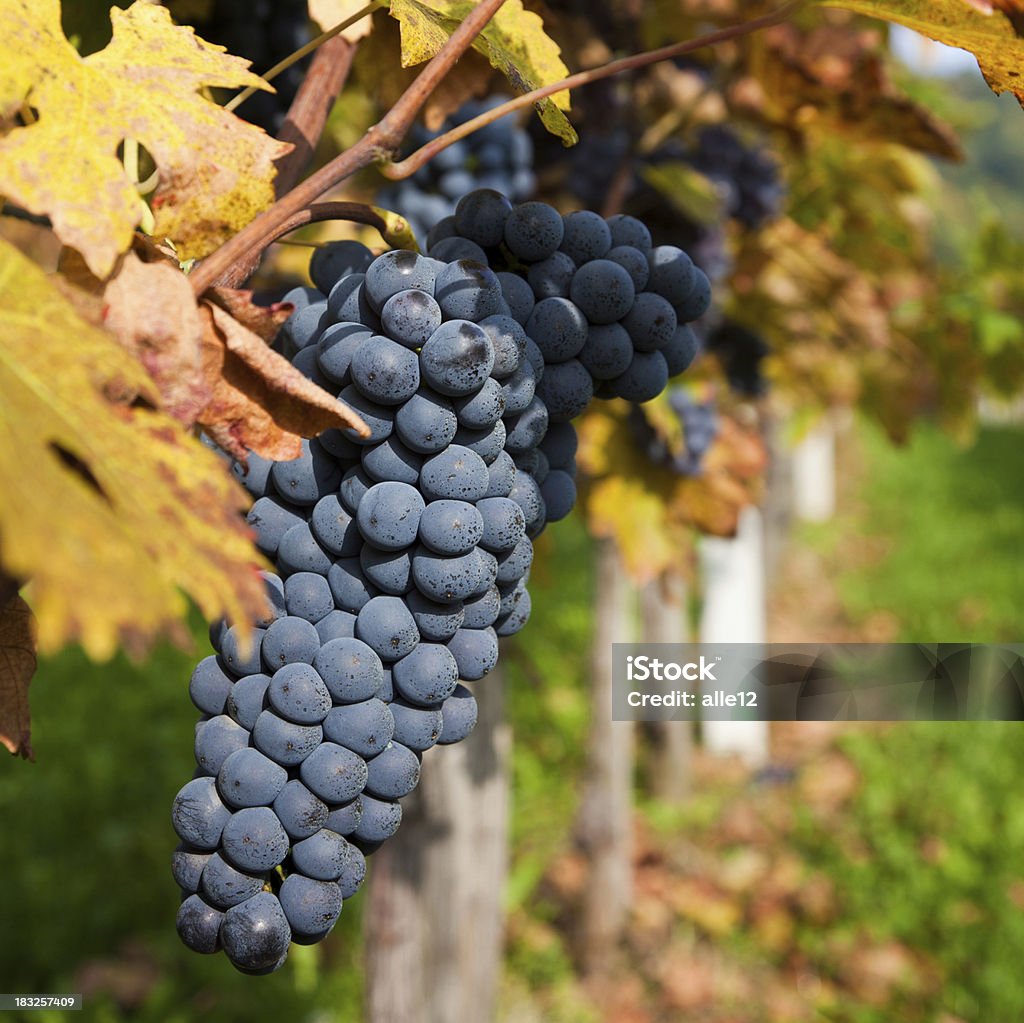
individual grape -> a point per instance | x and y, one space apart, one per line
480 216
482 410
306 362
209 686
514 564
343 820
348 303
698 300
410 317
535 357
680 352
379 820
256 934
566 388
501 476
333 773
518 295
475 652
271 518
353 872
308 596
241 653
335 260
300 552
448 250
354 485
389 515
559 493
608 351
336 443
457 358
458 716
290 640
274 589
468 290
541 467
385 371
285 743
526 494
481 611
488 443
559 328
427 675
311 907
379 420
304 480
223 886
519 389
301 297
300 812
187 867
586 236
645 379
392 461
393 773
503 523
651 322
216 740
336 625
417 728
334 528
395 271
603 290
389 571
533 231
672 274
450 527
321 856
199 815
552 277
426 423
253 839
349 585
445 227
435 622
386 625
527 429
634 262
248 778
254 475
516 618
351 670
336 348
365 728
199 925
305 326
446 579
560 444
488 571
511 596
455 474
528 460
627 230
298 694
245 701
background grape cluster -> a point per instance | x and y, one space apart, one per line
403 556
700 423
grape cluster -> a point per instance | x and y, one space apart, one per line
264 32
498 156
740 351
403 556
700 424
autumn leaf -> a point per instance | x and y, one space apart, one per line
17 666
216 171
261 402
514 41
263 320
111 511
991 37
328 13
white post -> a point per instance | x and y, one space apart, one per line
814 474
734 612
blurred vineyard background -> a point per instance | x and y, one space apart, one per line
867 314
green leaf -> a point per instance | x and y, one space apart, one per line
990 37
514 42
688 190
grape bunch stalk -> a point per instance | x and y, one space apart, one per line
403 556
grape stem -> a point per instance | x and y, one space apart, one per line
379 143
413 162
356 212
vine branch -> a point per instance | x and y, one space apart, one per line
415 160
379 142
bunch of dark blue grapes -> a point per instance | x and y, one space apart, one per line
498 156
741 352
700 424
401 556
264 32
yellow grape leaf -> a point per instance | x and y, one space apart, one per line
110 510
216 171
514 42
17 666
328 13
991 37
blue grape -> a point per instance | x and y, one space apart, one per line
352 872
559 493
417 728
209 686
336 348
290 640
535 357
385 371
380 420
365 728
646 377
299 551
446 579
348 302
215 740
541 467
336 443
335 260
256 934
427 675
627 230
351 670
301 297
586 236
308 596
379 820
199 815
344 819
246 699
519 389
336 625
511 596
456 474
389 515
602 290
608 351
516 618
254 475
475 652
410 317
503 523
698 300
393 773
298 694
199 925
671 273
305 326
526 494
304 480
488 443
321 856
482 410
481 611
392 461
285 743
458 716
450 527
271 518
253 839
223 886
426 422
435 622
533 231
354 485
501 475
311 907
566 388
518 295
395 271
558 327
527 429
187 867
386 625
651 322
559 444
334 528
634 262
552 277
508 340
457 358
333 773
300 812
274 589
389 571
449 250
481 216
445 227
241 655
680 352
349 585
514 564
248 778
